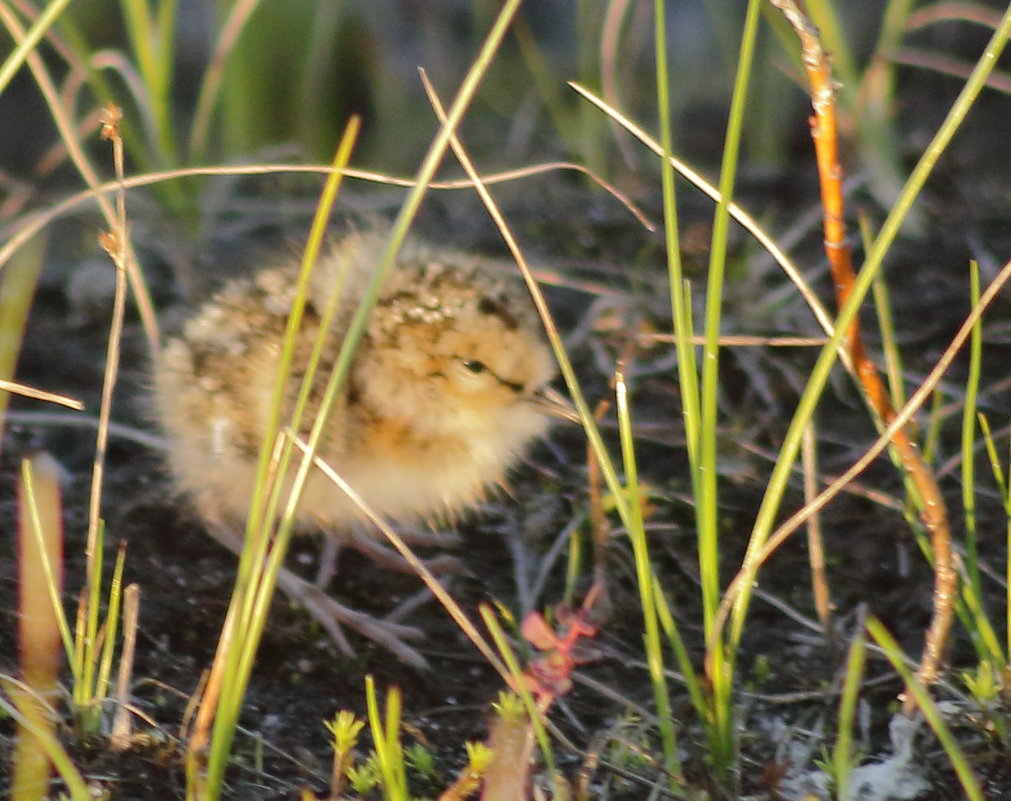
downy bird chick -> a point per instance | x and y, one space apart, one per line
446 389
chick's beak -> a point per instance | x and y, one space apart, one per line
547 401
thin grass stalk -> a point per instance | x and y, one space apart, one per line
971 610
644 579
689 674
85 634
535 711
994 459
52 570
707 511
973 617
114 243
1005 495
842 751
31 224
933 715
573 563
969 411
739 214
935 420
721 660
111 627
889 347
688 379
815 542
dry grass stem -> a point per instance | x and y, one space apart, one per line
40 394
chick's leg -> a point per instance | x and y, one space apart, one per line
331 615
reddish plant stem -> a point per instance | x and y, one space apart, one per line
933 513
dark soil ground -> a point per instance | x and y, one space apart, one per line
789 674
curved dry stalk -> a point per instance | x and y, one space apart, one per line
31 224
933 512
736 212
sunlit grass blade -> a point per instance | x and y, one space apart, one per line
386 741
843 757
969 411
644 579
534 712
930 711
30 40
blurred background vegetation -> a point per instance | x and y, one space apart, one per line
299 68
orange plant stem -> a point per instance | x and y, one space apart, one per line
932 512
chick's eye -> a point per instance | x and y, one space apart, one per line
474 366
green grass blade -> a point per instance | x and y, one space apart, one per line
930 711
969 410
842 752
34 35
644 576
